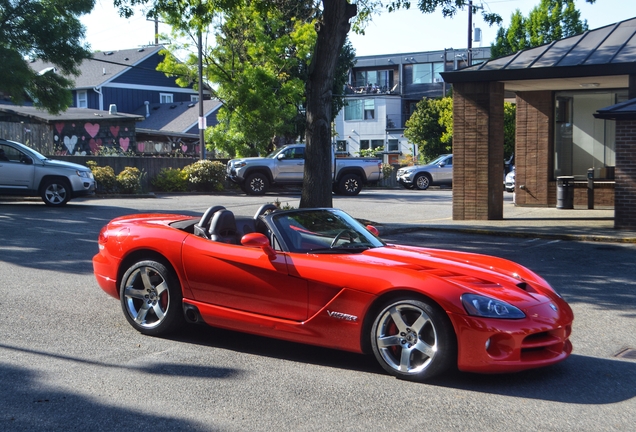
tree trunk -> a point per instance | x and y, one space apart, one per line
332 32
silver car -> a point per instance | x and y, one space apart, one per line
25 172
437 173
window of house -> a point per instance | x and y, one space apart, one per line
393 145
194 98
378 79
426 73
82 99
580 140
341 146
165 98
360 109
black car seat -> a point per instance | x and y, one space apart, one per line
223 227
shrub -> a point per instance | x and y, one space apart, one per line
387 171
205 175
171 180
129 180
105 178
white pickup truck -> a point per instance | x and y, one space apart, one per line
286 166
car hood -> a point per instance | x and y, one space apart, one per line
467 272
64 164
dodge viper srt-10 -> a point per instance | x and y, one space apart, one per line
318 276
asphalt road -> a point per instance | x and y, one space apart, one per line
70 361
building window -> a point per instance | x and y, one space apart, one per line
377 81
194 98
580 140
393 145
82 99
377 145
165 98
360 109
426 73
341 146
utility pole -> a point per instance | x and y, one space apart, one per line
469 54
202 119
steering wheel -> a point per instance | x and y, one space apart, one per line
341 234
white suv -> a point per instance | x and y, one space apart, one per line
439 172
25 172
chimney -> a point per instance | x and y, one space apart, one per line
112 109
147 108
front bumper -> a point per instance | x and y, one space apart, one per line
498 346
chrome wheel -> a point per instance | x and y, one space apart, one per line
412 340
150 298
56 193
422 182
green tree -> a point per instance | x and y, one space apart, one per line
551 20
51 31
431 127
510 119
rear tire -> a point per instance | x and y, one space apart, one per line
350 185
151 298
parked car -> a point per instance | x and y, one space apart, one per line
25 172
286 166
318 276
509 184
439 172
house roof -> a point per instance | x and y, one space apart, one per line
602 57
621 111
175 117
104 66
71 114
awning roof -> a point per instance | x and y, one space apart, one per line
603 57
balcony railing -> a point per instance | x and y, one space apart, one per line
365 89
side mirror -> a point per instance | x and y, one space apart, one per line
258 240
281 156
442 164
373 230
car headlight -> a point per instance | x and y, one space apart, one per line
487 307
240 164
85 174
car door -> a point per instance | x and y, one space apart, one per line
291 166
243 278
446 172
16 170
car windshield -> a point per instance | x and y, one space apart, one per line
438 160
323 231
273 154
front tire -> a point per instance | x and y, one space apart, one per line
56 193
151 298
256 184
350 185
413 340
422 181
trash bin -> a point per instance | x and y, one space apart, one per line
565 192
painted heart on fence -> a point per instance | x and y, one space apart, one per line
124 143
59 127
95 145
184 148
92 129
158 147
69 143
114 130
141 147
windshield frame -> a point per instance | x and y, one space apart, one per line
308 231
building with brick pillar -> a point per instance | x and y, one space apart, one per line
624 114
558 88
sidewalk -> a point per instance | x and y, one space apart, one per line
579 224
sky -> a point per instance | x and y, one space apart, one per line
388 33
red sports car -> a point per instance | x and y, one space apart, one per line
318 276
